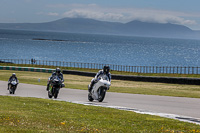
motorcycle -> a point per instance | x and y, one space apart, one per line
99 89
13 86
54 87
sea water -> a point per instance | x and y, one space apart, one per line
104 49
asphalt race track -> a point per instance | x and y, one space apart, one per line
185 109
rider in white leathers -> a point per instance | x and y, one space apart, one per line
104 71
13 77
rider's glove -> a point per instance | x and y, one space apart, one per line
95 80
63 85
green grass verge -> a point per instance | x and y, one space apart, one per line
42 115
81 82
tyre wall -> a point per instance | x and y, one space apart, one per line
32 69
172 80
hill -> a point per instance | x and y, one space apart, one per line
91 26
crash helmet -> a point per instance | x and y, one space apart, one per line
13 75
58 70
106 69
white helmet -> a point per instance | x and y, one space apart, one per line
14 75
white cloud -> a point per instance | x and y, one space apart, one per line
124 14
160 16
94 15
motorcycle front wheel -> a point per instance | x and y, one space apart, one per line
56 93
12 90
90 97
49 94
102 93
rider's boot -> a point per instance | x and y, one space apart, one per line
47 87
91 86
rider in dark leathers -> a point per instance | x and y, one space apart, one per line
59 74
105 71
11 78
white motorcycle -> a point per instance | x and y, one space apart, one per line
99 89
13 86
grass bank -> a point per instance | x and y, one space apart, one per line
81 82
42 115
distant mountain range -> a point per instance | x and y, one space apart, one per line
91 26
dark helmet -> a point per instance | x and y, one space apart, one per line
106 69
58 70
13 75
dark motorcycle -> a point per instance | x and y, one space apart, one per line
54 87
13 86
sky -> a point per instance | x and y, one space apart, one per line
183 12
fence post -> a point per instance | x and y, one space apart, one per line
153 69
163 69
140 70
143 69
177 70
149 69
156 69
181 70
166 70
188 70
192 70
184 70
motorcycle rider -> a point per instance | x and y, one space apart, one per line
59 74
11 79
104 71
